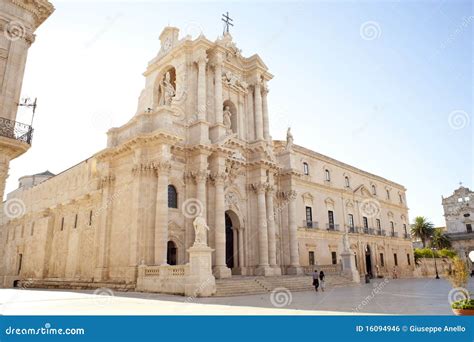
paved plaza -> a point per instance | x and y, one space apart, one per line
398 296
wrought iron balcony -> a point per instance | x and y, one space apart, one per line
352 229
406 236
393 234
16 130
332 226
380 232
310 224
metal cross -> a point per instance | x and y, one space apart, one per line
227 22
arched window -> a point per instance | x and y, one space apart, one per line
374 189
305 168
328 175
388 194
172 197
348 184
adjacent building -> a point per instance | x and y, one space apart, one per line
199 144
459 215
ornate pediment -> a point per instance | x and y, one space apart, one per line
362 190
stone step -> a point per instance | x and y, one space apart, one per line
75 285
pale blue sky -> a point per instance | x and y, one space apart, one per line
382 105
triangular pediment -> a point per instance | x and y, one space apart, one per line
363 191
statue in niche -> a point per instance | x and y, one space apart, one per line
227 119
289 139
167 91
200 231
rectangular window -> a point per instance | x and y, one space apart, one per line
405 228
382 262
408 259
400 197
309 214
32 229
328 175
90 218
366 222
351 221
388 194
379 226
355 258
469 228
305 169
334 258
347 182
395 259
62 223
75 222
392 228
331 219
311 258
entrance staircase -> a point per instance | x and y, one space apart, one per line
240 285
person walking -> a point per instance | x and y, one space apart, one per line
315 280
322 280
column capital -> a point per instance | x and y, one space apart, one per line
270 189
163 167
200 57
259 188
291 195
218 177
199 175
145 169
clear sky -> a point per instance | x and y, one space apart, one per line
384 86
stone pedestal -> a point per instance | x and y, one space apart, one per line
200 282
264 271
348 266
294 270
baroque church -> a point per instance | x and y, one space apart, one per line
199 145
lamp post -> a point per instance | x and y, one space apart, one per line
436 267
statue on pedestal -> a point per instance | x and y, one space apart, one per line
167 91
289 139
227 122
200 231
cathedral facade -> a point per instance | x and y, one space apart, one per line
199 145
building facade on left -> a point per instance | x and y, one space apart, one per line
19 20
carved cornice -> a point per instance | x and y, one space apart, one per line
259 188
144 169
41 9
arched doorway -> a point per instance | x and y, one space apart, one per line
229 242
368 261
172 253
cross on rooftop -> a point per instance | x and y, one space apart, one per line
227 22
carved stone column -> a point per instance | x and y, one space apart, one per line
201 91
241 247
201 177
258 111
271 226
220 268
218 90
263 266
266 125
161 220
294 267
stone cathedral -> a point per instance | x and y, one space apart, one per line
199 145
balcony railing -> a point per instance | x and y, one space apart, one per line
310 224
352 229
332 226
16 130
380 232
393 234
406 236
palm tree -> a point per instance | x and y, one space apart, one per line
422 229
440 240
